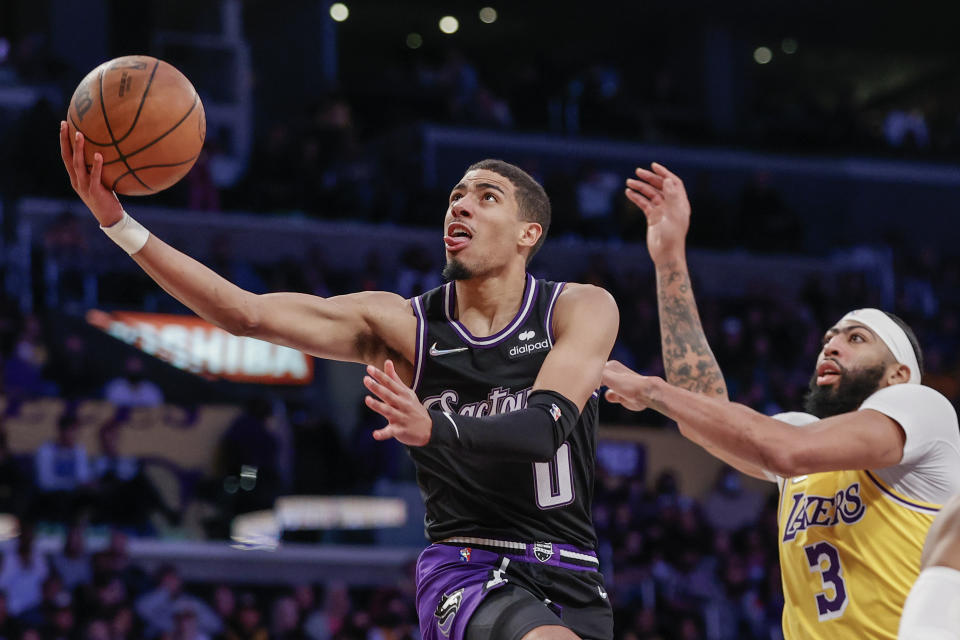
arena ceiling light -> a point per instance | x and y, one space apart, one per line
339 11
762 55
488 15
414 40
449 24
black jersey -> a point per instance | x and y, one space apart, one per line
468 494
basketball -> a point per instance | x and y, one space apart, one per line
144 117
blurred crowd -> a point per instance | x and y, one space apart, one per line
84 591
676 568
681 566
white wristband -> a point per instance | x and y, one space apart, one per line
129 234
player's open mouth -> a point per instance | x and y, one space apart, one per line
457 237
828 372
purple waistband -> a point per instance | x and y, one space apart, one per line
565 556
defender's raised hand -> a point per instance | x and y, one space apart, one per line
662 198
408 421
101 201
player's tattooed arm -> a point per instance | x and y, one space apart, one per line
687 358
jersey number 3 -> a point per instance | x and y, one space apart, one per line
554 480
824 559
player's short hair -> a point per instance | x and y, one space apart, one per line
532 200
912 337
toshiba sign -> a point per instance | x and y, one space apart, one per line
189 343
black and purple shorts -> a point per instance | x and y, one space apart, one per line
455 575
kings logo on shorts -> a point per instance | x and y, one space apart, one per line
543 551
447 611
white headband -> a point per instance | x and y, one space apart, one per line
892 335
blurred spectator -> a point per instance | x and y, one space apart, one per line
23 370
98 629
249 452
329 621
15 487
186 625
417 272
203 193
63 621
285 623
224 602
105 595
124 624
766 223
63 473
125 496
247 621
906 129
72 563
53 597
114 561
66 259
72 365
159 607
595 201
8 625
23 572
132 389
728 506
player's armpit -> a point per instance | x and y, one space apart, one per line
585 325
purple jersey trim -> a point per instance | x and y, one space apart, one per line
529 295
549 318
421 341
903 501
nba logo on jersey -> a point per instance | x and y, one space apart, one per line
555 412
465 554
543 551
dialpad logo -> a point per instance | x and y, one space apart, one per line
526 348
447 611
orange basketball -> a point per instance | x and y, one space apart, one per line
144 117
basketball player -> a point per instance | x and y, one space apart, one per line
861 474
490 380
932 611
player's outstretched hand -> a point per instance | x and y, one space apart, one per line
407 420
625 386
101 201
661 196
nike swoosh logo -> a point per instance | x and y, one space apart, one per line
443 352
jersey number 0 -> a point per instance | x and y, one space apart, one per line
554 480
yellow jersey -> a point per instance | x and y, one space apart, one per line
849 552
850 541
